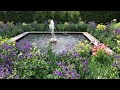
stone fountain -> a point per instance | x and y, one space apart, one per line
51 27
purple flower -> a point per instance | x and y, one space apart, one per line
4 71
114 64
117 31
73 77
69 46
17 77
10 69
24 46
59 63
58 73
64 67
82 58
64 52
117 57
85 63
29 55
6 46
77 75
76 55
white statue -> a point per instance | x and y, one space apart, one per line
51 26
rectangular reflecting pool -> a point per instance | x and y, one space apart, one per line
64 40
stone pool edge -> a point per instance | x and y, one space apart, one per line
86 34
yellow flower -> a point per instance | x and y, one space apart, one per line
82 44
101 27
82 50
14 43
66 23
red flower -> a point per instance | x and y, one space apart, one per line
98 47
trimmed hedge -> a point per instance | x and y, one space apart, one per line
100 16
16 16
59 16
40 16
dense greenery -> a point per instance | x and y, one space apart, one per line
59 16
100 16
40 16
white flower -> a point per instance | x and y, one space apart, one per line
20 54
24 24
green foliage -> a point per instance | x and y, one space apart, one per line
31 69
26 27
72 16
117 48
40 16
83 48
60 27
99 16
59 16
43 27
80 27
98 71
18 16
102 57
3 40
114 26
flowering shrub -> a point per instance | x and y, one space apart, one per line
8 54
11 24
116 63
117 30
24 46
117 48
98 47
101 27
66 72
83 48
3 40
67 24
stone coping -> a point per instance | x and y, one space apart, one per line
86 34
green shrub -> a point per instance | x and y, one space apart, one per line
99 16
98 71
40 16
43 27
35 25
26 27
31 69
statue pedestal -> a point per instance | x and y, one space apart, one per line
53 40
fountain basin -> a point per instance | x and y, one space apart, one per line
62 39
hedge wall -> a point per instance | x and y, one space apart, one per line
100 16
17 16
40 16
59 16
